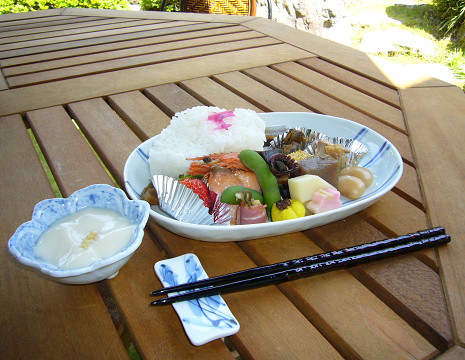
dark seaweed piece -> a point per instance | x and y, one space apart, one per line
284 190
267 154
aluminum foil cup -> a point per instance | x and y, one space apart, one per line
184 205
310 136
356 150
315 143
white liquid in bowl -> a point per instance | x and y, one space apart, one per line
82 238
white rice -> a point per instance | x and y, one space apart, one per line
191 135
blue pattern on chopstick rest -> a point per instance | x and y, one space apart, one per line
206 318
208 307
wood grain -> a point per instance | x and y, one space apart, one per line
409 287
171 98
444 112
258 338
142 116
24 25
164 54
60 147
351 97
321 103
383 71
120 42
40 310
340 307
66 41
104 135
46 30
109 83
92 94
357 81
123 49
211 93
257 93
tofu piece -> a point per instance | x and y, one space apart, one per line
302 187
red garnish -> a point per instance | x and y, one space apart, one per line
200 188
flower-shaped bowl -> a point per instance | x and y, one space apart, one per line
47 212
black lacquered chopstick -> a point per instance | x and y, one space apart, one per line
309 270
304 261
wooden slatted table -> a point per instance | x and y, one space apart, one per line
88 86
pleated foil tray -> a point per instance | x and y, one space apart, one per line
184 205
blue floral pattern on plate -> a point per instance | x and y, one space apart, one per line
204 319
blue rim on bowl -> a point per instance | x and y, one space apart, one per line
47 212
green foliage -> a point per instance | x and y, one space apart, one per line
155 5
15 6
452 14
420 17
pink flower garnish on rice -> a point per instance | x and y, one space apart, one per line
218 118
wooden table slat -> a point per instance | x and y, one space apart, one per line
409 187
123 49
69 42
60 149
141 115
213 94
341 307
166 53
358 82
34 15
74 312
47 30
102 84
171 98
445 108
91 95
52 21
88 115
322 103
411 288
255 92
122 42
67 36
350 97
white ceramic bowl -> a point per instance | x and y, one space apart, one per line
382 159
48 212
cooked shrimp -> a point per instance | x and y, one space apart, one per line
203 165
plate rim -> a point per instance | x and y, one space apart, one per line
359 204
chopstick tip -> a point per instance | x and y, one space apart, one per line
164 301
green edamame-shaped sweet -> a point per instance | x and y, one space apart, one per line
252 160
228 196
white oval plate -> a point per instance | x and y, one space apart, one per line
383 160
